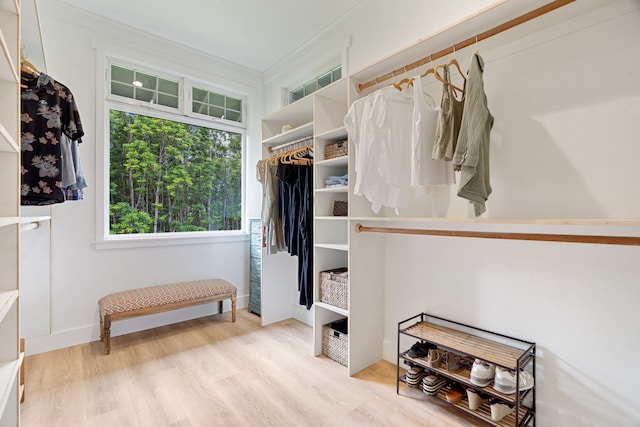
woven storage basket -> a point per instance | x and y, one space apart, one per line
337 149
335 345
334 289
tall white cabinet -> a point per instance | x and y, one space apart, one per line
10 355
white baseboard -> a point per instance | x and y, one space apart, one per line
90 333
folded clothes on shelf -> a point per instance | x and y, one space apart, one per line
335 181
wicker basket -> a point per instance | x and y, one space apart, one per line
334 289
337 149
335 345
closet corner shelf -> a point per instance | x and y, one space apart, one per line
333 308
29 219
334 246
9 220
336 161
340 189
7 299
338 133
332 218
8 372
7 142
7 67
292 135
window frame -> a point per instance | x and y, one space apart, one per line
182 114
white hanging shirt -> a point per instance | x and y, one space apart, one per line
424 169
393 134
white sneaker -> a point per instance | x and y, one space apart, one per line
505 381
482 373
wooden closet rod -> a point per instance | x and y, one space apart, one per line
288 144
569 238
468 42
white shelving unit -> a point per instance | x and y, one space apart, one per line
10 354
320 115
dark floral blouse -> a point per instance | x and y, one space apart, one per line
48 109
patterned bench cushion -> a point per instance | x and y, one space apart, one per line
157 296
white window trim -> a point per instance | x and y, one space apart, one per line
190 84
135 102
105 102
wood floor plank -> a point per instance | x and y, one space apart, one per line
212 372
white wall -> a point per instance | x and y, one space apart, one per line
373 30
80 273
564 145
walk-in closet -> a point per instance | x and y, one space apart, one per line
348 212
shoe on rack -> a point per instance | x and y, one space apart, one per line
420 349
431 384
505 381
452 361
455 394
482 373
414 376
475 399
433 358
499 410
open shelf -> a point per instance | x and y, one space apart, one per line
7 300
333 246
8 374
292 135
7 143
340 189
336 161
336 134
333 308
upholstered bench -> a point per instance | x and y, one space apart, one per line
156 299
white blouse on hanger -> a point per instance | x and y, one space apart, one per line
425 170
393 133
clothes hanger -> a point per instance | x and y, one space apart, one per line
294 156
430 70
407 81
455 63
27 66
28 72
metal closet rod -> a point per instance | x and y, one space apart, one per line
567 238
468 42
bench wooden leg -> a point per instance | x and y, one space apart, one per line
233 309
106 334
220 307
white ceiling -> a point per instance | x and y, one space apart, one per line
253 33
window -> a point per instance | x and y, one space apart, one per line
144 87
175 154
216 105
315 84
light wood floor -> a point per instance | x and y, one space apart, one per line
211 372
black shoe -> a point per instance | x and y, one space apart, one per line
420 349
